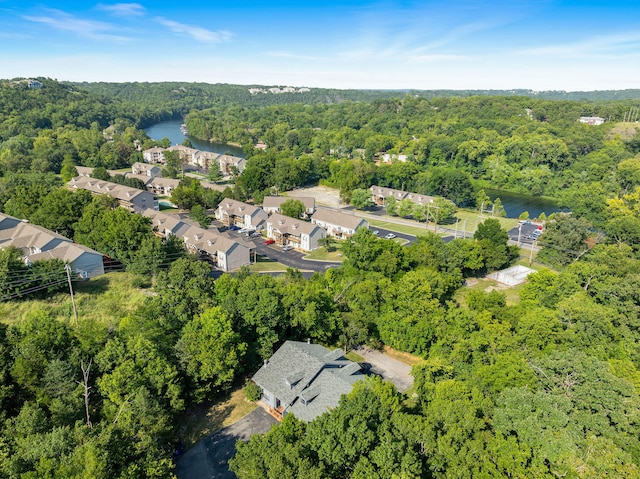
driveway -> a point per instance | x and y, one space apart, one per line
387 367
209 458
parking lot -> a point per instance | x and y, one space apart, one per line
525 232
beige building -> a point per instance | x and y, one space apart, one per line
236 213
338 225
132 199
146 169
153 155
271 204
225 253
37 243
294 232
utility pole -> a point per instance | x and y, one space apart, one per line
73 301
531 254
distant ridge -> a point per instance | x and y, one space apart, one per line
281 94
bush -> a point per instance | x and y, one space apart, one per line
252 391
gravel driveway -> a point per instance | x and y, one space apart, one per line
389 368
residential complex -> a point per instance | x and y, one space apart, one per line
132 199
38 243
338 225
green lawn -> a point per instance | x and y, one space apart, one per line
321 254
399 228
472 219
264 265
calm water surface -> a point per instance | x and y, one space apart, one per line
516 203
171 130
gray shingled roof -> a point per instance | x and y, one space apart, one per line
291 226
308 379
337 218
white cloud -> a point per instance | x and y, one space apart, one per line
63 21
124 9
628 42
198 33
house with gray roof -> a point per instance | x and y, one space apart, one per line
146 169
271 204
206 159
37 243
380 193
294 232
162 186
338 225
305 380
228 161
237 213
224 252
132 199
153 155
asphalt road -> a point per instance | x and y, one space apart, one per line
383 232
293 259
209 458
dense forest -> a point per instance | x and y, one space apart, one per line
543 385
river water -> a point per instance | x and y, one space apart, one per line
171 130
516 203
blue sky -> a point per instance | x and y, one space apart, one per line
452 44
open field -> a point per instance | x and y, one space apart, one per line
323 194
105 299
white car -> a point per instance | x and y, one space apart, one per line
287 247
389 236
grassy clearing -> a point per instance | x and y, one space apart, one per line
472 219
265 264
403 357
204 419
321 254
512 293
105 299
399 228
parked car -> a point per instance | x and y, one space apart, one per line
389 236
270 241
287 247
376 232
234 228
255 234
